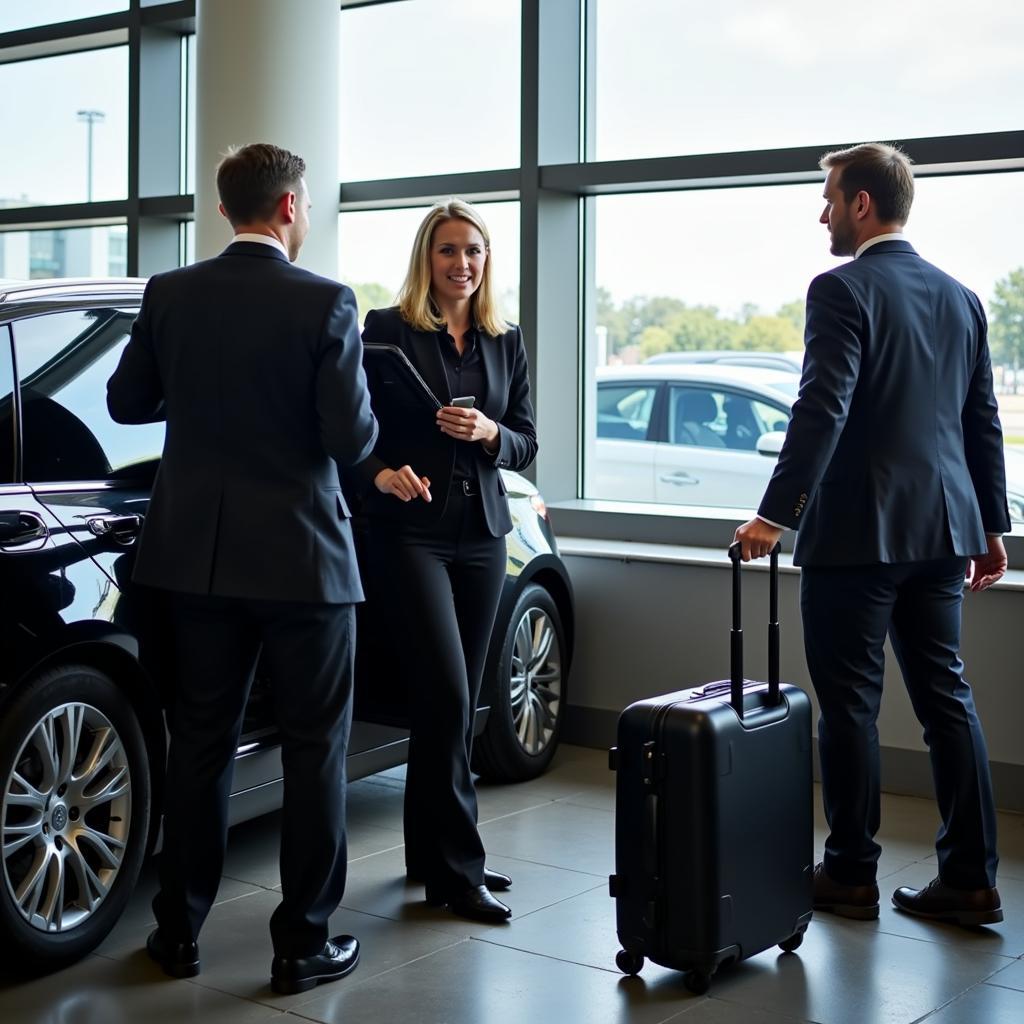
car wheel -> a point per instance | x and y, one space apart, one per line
74 814
529 693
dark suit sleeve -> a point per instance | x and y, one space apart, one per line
348 427
831 368
983 436
135 392
517 434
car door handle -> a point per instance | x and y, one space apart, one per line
680 478
122 529
17 528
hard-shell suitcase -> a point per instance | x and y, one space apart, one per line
713 818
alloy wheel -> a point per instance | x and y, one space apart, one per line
536 682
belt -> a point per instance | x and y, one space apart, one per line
468 488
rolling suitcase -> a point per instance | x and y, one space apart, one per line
713 817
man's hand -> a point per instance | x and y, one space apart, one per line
403 483
987 569
757 538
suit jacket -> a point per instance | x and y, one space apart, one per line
257 367
410 435
894 452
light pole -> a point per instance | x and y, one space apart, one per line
90 117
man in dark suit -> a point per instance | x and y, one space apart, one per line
256 366
893 472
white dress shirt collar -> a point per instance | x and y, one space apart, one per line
251 236
893 236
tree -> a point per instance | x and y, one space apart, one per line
372 296
1006 335
769 334
795 312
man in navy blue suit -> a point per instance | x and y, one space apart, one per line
893 473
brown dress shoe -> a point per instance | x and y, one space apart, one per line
859 902
938 902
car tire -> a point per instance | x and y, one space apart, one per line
75 802
525 720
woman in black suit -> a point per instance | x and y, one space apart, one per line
438 516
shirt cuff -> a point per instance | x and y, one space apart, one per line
778 526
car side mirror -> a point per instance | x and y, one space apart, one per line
770 444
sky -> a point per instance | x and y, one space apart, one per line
672 77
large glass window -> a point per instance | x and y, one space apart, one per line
14 16
675 78
700 294
64 361
374 247
64 252
429 87
65 125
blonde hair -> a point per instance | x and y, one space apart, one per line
414 300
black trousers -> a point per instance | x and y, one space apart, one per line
307 652
444 582
846 614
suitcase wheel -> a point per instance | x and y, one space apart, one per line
698 982
629 963
793 942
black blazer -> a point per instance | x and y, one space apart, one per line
257 367
409 433
894 452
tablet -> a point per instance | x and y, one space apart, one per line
390 373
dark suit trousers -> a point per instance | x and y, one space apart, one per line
846 614
444 581
307 653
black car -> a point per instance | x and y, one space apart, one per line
85 672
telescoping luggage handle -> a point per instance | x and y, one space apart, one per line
736 636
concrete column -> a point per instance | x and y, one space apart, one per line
267 71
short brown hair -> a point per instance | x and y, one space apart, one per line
882 171
251 179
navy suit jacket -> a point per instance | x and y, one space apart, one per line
894 452
256 365
411 436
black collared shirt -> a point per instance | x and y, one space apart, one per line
466 376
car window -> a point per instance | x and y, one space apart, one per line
64 361
6 408
706 418
624 411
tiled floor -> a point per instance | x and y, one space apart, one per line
554 962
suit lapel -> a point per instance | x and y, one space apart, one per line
494 372
426 356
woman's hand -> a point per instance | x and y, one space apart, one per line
467 425
403 484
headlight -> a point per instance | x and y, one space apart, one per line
1016 503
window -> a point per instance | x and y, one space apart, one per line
437 83
7 438
64 362
69 115
374 247
64 252
15 16
677 78
624 411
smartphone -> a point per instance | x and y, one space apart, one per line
466 402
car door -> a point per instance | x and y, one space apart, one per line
624 455
710 456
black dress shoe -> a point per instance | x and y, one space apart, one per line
476 903
291 974
178 959
939 902
859 902
494 880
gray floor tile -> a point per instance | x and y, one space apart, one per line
1005 938
376 801
560 834
101 991
715 1011
377 886
236 948
480 983
848 975
1010 977
984 1004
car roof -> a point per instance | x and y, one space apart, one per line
70 287
753 378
